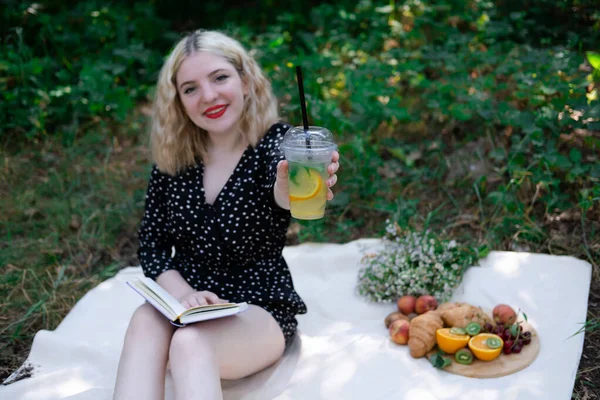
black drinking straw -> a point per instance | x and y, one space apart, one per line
303 103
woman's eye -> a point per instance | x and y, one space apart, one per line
188 90
221 78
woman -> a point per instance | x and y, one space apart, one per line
218 196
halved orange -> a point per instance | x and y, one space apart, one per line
481 350
309 184
449 342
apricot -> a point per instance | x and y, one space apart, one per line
504 314
406 304
399 331
396 315
425 303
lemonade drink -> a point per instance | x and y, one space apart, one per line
308 153
308 190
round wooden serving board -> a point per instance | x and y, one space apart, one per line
501 366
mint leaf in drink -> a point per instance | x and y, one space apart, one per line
293 174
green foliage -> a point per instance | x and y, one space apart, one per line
64 71
388 80
551 22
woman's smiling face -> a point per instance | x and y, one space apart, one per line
212 92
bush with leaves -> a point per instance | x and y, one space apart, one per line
64 69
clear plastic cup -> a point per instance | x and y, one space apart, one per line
308 153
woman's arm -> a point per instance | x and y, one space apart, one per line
173 282
156 241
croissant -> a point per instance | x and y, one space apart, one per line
461 314
421 335
448 306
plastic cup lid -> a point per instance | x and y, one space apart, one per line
315 137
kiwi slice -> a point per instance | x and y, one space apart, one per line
458 331
473 328
493 343
464 356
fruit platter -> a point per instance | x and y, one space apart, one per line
464 339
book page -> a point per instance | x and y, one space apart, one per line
209 307
213 313
169 306
151 298
166 299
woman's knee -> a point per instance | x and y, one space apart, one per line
191 341
145 322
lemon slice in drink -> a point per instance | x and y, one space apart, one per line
306 184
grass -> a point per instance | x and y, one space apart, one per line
68 218
587 385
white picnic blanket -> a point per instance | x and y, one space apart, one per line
342 350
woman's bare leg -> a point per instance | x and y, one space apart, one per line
142 367
226 348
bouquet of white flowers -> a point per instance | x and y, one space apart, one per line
414 263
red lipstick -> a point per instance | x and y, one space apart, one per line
215 111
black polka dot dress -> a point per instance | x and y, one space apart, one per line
232 247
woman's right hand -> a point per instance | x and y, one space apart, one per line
200 298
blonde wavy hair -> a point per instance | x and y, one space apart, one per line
175 140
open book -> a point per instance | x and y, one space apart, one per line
171 308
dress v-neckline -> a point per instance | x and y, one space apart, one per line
229 179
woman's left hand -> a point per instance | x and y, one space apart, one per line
282 190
